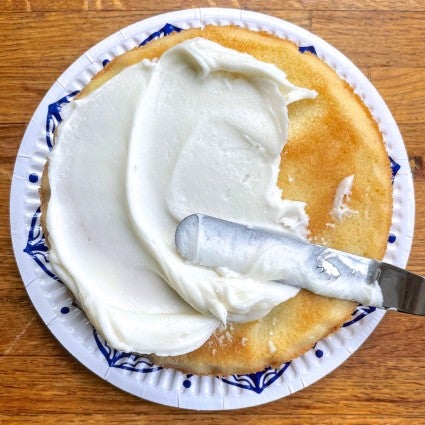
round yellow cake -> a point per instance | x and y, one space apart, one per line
330 137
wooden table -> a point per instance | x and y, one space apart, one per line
382 383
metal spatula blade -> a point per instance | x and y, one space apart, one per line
212 242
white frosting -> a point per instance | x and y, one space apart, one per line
322 271
272 347
340 207
199 130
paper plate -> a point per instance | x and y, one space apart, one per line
53 301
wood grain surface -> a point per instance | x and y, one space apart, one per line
40 383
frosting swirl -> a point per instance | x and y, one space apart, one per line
198 131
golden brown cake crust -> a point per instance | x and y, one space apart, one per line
330 138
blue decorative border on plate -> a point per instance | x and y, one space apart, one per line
167 29
36 246
54 118
121 360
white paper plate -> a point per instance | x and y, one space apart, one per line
70 326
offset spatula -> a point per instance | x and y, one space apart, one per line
212 242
